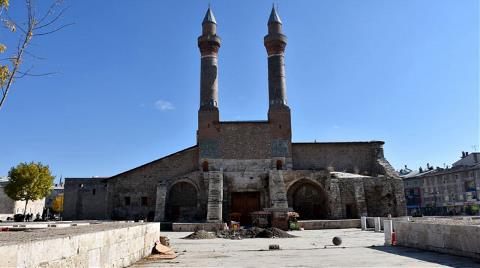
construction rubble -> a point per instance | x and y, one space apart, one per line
253 232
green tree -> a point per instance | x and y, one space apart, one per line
29 181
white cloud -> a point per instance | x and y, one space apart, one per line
163 105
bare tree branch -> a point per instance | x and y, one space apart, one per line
33 55
49 12
28 31
23 74
51 21
55 30
16 64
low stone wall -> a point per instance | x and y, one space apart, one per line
105 245
457 239
329 224
192 227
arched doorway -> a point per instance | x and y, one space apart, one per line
308 199
182 203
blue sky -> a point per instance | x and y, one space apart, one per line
127 88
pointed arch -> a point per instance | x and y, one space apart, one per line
182 202
309 199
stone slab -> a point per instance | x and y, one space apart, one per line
457 239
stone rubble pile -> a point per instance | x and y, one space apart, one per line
254 232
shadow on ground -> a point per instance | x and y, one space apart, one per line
429 256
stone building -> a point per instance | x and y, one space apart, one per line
10 207
444 191
238 167
57 190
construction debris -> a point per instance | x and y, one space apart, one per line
162 252
201 234
165 241
254 232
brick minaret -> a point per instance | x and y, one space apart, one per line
278 112
275 42
208 43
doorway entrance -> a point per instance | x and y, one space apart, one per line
245 203
308 199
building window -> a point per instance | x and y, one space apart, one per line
144 201
127 200
205 166
93 192
279 165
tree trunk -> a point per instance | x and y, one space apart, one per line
25 210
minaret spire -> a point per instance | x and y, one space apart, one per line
274 18
209 17
209 44
275 42
279 116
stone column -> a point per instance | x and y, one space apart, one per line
278 194
215 196
160 202
334 199
360 197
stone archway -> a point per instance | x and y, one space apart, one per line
182 202
308 199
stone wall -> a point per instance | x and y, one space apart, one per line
246 140
463 240
9 207
141 184
352 157
113 247
85 198
385 196
243 140
329 224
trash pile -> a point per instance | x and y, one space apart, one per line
254 232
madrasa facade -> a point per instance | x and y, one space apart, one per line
239 167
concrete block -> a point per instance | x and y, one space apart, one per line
388 231
80 224
364 223
60 225
378 227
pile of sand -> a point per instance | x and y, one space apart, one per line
201 234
